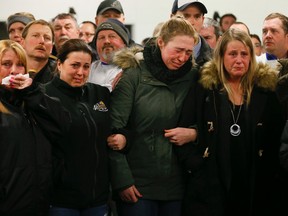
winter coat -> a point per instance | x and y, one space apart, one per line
205 54
284 148
80 161
46 74
145 106
282 86
282 92
26 132
209 162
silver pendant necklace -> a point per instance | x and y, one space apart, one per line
235 129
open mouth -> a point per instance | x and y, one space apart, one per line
176 64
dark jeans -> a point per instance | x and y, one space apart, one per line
95 211
149 208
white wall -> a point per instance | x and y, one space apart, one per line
145 14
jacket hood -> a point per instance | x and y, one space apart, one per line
265 77
283 67
128 57
282 85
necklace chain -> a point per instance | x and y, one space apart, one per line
235 122
235 129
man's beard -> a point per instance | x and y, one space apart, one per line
108 57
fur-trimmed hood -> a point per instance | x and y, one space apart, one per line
265 76
282 85
128 57
283 68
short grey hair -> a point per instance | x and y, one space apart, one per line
211 22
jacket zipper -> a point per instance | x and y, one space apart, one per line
93 135
33 124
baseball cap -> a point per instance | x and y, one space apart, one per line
180 5
117 26
108 5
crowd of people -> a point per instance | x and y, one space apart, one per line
192 121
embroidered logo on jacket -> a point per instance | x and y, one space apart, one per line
100 107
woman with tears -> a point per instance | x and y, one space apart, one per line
80 158
146 176
233 167
29 121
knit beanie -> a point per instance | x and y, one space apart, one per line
117 26
18 18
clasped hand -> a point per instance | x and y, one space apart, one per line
116 141
180 136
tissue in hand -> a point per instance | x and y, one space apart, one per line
5 81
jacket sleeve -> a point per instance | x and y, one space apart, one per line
190 155
122 100
48 112
284 148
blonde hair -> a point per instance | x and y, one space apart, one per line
157 29
16 47
176 26
20 52
248 78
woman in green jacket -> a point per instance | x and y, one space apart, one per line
145 108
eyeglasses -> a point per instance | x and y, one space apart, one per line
86 34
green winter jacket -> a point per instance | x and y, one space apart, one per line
145 106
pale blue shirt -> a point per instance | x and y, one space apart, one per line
196 49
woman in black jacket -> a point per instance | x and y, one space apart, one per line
233 169
81 182
29 120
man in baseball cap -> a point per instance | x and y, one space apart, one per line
183 4
109 9
108 5
194 12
